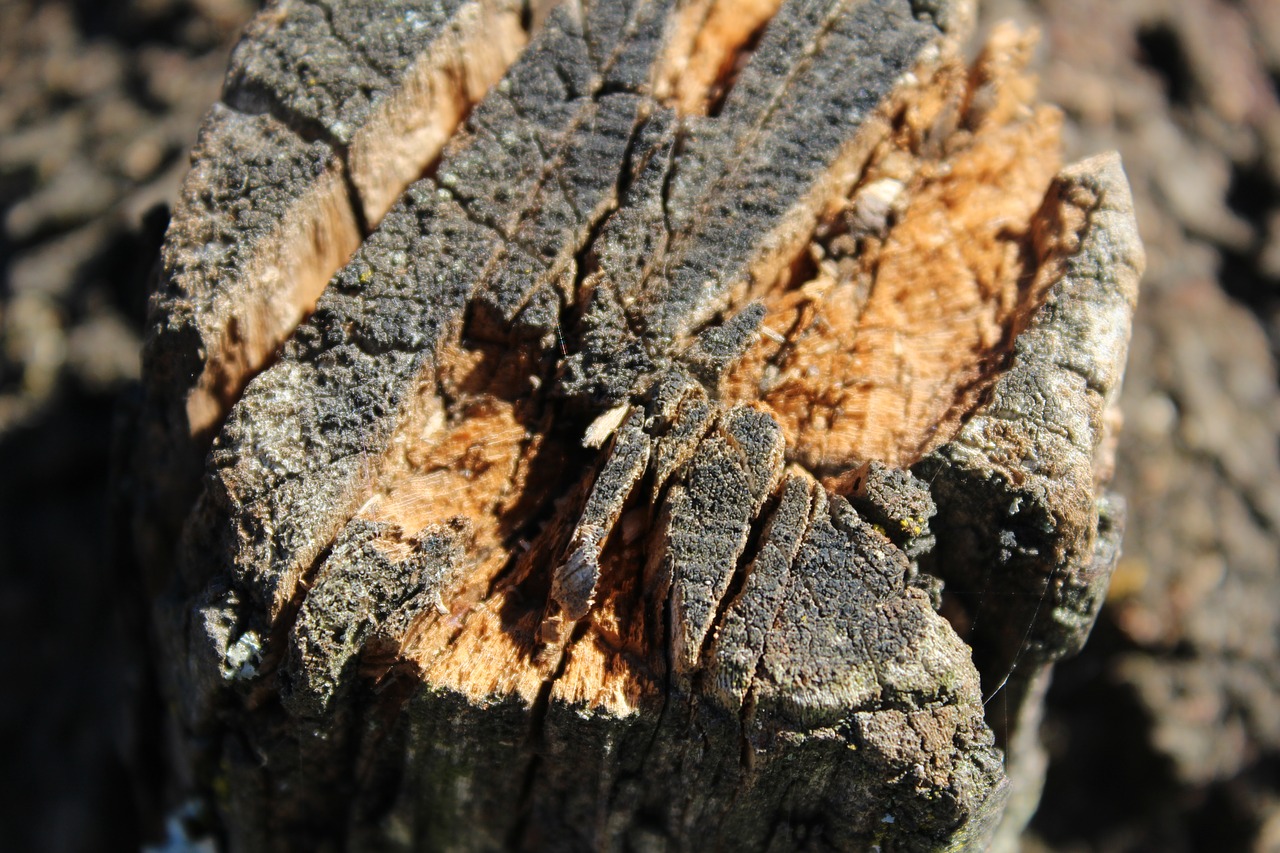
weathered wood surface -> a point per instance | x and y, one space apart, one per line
595 471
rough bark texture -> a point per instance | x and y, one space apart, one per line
636 478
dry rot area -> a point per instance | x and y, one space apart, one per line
876 344
610 490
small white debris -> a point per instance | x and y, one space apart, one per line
873 205
243 657
605 425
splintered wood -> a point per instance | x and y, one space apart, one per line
923 274
600 402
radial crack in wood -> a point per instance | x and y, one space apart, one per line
610 490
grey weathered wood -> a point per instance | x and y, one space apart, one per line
1021 514
1019 482
776 672
329 110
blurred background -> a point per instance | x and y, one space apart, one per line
1164 734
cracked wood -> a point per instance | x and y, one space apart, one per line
605 402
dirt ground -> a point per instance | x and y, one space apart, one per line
1164 733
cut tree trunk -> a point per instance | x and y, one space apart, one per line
628 425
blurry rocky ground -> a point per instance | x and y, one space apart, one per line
1164 733
99 104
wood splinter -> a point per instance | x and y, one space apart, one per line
630 424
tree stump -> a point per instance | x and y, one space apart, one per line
628 425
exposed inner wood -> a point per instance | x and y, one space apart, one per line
706 49
487 456
618 663
922 278
320 231
487 644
